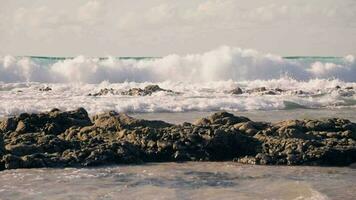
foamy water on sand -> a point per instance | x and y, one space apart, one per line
192 180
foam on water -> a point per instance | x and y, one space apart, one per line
221 64
205 96
201 78
191 180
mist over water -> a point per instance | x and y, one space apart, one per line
223 63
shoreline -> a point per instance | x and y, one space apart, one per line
71 139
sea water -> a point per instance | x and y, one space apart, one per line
202 82
191 180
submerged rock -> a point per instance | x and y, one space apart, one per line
62 139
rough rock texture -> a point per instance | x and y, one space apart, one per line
104 91
46 89
258 91
62 139
236 90
148 90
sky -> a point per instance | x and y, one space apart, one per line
162 27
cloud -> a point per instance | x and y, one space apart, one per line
90 12
160 27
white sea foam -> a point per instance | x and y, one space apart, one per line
205 96
200 78
221 64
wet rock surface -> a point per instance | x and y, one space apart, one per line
45 89
148 90
63 139
105 91
345 92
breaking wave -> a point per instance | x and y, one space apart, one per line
224 63
204 96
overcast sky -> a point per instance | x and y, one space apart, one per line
161 27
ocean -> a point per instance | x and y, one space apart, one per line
308 87
191 180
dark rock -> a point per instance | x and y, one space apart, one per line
104 91
257 90
279 90
62 139
221 118
270 93
12 162
148 90
8 124
46 89
119 121
236 91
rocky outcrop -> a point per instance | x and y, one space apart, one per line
45 89
62 139
104 91
258 90
148 90
236 90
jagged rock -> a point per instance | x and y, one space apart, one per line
46 89
236 91
9 124
257 90
118 121
269 93
62 139
104 91
221 118
148 90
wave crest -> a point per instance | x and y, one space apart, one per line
224 63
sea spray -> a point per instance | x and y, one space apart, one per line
221 64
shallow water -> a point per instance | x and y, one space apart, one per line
259 115
191 180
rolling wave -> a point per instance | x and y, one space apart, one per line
221 64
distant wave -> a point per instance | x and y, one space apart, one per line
224 63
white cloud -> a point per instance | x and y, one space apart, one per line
160 27
90 12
